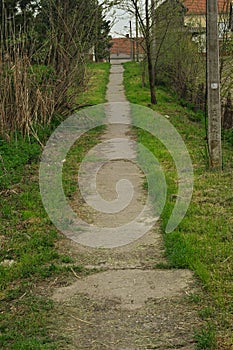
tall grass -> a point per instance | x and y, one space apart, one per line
39 78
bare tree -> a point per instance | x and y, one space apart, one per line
157 25
146 19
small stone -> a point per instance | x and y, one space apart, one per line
7 263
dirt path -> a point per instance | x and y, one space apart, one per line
128 303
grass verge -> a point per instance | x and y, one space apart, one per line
96 89
203 240
28 239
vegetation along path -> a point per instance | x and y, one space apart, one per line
126 299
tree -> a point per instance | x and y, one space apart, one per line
154 26
22 11
226 71
70 33
44 48
146 18
102 41
178 63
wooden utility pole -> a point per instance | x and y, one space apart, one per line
213 85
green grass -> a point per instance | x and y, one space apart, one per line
29 257
96 88
203 240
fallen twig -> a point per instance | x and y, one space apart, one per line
80 320
77 276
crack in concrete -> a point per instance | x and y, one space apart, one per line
127 305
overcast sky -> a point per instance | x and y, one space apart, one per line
120 23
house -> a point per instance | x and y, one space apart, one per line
195 15
125 48
193 18
121 48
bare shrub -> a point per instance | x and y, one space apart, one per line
43 65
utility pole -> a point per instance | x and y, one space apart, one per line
213 85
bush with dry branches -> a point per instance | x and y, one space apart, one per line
43 61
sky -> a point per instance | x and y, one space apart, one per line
121 24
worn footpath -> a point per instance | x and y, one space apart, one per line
126 302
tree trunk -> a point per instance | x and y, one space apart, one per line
146 30
151 79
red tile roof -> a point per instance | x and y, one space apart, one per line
120 45
123 46
199 6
